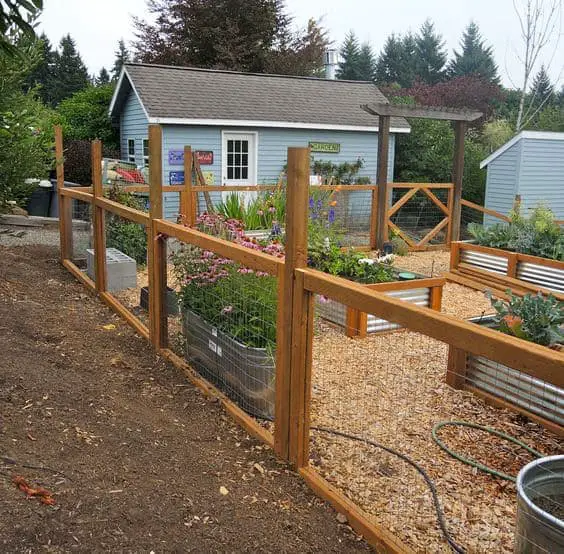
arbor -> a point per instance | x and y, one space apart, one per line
241 35
70 72
390 62
430 54
84 115
17 18
350 54
475 58
539 21
366 63
122 57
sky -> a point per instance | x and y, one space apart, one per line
97 26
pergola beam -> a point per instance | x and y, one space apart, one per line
422 112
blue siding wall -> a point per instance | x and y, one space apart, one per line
133 125
541 178
501 182
272 152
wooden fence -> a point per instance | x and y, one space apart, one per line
297 288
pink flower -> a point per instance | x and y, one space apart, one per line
227 310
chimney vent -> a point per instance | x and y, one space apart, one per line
330 62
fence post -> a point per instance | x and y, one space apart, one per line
292 388
187 205
156 245
379 227
65 203
457 174
456 367
98 218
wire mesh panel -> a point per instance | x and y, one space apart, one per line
375 403
81 232
420 214
469 216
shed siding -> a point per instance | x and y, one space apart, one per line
272 152
541 178
133 125
501 182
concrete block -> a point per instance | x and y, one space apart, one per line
121 269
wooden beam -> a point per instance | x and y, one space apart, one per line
78 274
421 185
65 205
456 367
403 235
479 208
403 200
457 175
98 218
421 112
126 314
436 201
188 198
289 378
78 194
433 232
123 211
380 235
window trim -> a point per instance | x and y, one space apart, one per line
130 156
145 148
253 151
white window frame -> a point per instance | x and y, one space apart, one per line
146 155
253 168
130 156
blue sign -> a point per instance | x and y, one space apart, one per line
176 177
176 157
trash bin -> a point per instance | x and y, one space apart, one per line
39 202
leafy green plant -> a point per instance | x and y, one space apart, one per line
399 246
261 212
345 173
535 318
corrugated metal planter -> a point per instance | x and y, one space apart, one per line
243 373
426 292
519 389
543 272
540 495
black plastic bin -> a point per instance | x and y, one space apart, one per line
39 202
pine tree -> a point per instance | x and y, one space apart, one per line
122 57
431 54
103 77
349 66
70 72
389 65
408 66
43 74
475 58
366 63
542 89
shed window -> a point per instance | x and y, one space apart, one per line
131 150
145 152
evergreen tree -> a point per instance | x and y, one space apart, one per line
103 77
122 57
366 63
389 65
70 72
407 68
431 56
475 58
349 66
542 89
43 74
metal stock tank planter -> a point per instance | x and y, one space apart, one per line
244 373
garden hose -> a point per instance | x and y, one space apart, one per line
474 463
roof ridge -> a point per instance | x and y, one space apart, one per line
232 72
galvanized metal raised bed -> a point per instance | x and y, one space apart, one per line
425 292
520 389
243 373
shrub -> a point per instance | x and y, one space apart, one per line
535 318
399 246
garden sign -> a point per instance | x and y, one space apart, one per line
325 147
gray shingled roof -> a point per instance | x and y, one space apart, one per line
190 93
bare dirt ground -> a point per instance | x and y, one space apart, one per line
132 454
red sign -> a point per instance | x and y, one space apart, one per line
205 157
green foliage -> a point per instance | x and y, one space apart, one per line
496 133
399 246
537 235
71 74
17 17
366 63
125 235
84 115
431 55
263 212
542 88
43 76
349 66
535 318
389 67
475 58
122 57
345 173
550 118
103 77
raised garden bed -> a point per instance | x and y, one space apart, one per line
423 291
244 373
503 269
510 386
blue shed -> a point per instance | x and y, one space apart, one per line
241 124
530 165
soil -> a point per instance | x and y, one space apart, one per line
554 505
135 458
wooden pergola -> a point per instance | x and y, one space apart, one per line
385 112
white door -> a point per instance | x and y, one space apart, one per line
239 161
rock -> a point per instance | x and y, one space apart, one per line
342 518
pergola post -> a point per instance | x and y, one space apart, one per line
379 224
457 174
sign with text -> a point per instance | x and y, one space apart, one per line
205 157
176 177
325 147
176 157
